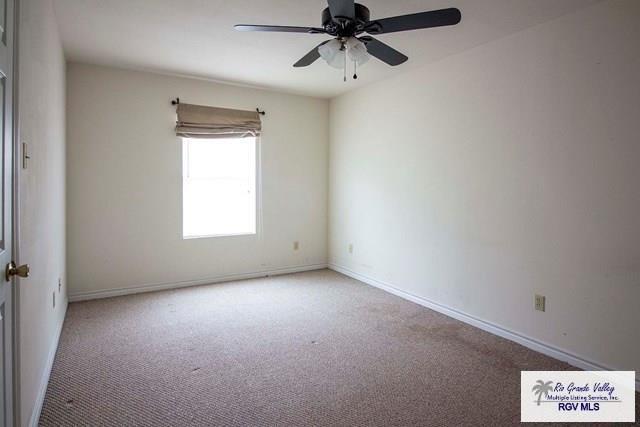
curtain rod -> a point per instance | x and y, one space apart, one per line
177 101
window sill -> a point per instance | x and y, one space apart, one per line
207 236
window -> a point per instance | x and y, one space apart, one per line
218 187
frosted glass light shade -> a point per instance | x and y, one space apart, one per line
333 52
357 51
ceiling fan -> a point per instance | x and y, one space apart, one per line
345 20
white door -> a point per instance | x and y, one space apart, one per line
6 210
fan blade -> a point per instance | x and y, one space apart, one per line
383 52
345 9
278 28
310 57
416 21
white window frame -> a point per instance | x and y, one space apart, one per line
258 196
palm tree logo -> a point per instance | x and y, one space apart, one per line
541 388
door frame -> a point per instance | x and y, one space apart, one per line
15 200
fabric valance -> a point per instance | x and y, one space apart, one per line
199 121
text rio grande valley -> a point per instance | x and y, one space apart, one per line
573 397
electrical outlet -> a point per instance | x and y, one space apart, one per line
540 302
296 245
350 248
54 299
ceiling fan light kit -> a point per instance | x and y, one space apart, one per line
335 52
346 20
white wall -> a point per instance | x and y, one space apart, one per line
124 182
42 206
507 170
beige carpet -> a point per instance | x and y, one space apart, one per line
306 349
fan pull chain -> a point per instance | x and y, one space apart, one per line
355 70
344 78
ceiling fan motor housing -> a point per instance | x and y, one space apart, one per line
345 26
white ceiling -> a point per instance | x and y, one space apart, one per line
196 37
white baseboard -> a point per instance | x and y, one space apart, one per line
541 347
106 293
44 381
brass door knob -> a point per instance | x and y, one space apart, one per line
12 270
